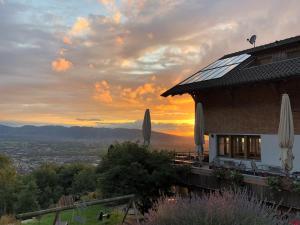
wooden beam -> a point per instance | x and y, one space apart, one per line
195 96
57 209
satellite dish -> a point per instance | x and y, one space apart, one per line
252 40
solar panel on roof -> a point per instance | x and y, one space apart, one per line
217 69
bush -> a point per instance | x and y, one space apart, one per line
274 183
219 174
236 177
296 187
226 208
228 176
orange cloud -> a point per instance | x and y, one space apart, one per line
81 26
114 13
145 89
117 17
102 92
134 95
61 65
120 40
67 40
106 2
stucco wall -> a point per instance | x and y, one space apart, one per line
270 151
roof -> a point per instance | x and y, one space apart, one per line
245 75
275 44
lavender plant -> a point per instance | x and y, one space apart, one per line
226 208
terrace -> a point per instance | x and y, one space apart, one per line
220 174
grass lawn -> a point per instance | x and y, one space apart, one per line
88 214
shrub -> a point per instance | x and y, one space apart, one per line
228 176
274 183
219 174
296 187
226 208
236 177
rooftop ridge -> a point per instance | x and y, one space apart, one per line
276 43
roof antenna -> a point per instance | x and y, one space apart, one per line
252 40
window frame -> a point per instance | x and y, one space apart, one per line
229 153
257 152
245 154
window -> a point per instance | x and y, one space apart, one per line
254 147
239 146
224 145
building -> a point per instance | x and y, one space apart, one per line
241 96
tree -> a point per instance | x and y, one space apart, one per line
7 185
27 196
66 176
46 179
84 181
130 168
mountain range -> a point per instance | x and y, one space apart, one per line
103 135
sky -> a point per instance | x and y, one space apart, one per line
103 62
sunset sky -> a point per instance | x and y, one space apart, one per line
103 62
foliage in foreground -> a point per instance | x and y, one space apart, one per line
226 176
131 168
43 187
8 219
226 208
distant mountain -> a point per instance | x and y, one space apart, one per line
104 135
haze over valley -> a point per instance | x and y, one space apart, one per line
30 146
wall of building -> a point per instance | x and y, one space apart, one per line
249 109
270 151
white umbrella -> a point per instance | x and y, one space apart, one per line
286 133
199 128
147 127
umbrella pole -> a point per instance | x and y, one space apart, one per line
199 149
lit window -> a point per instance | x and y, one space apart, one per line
238 146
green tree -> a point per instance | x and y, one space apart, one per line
7 185
130 168
84 181
27 196
47 182
66 176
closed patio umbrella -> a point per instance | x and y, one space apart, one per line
199 128
286 134
147 127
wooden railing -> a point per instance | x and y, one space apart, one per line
59 209
187 158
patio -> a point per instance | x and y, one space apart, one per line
246 167
255 181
